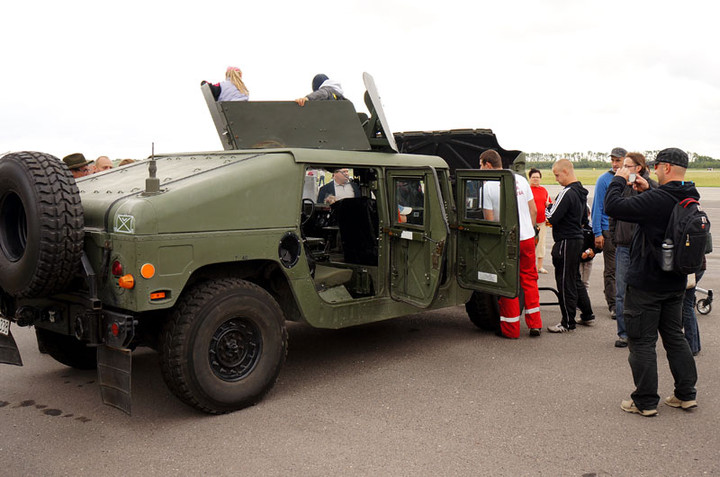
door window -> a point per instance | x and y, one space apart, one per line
409 201
482 200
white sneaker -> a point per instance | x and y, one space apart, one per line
559 328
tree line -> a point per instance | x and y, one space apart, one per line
601 160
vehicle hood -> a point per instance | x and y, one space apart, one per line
198 193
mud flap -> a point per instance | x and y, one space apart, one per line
114 369
9 353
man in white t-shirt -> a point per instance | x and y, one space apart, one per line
490 199
527 212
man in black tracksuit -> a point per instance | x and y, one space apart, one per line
653 298
567 215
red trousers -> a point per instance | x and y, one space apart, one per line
510 307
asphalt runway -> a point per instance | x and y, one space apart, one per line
427 394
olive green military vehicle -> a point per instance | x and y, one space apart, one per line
205 256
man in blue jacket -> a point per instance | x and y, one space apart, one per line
601 227
653 297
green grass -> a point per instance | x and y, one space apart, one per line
701 178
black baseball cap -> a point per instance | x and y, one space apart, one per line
672 155
618 152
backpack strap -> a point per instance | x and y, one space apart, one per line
685 203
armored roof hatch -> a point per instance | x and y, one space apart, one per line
460 148
318 124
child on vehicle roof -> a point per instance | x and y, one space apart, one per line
232 89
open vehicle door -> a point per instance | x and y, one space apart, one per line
417 235
488 231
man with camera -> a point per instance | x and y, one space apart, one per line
653 297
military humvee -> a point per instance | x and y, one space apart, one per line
205 256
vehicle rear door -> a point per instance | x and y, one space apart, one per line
487 231
417 234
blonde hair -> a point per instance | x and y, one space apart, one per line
235 76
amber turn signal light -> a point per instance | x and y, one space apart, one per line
126 281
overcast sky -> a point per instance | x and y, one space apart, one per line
110 78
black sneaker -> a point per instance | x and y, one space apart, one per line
621 343
613 315
534 331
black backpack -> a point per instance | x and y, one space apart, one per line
689 231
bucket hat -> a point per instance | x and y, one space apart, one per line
75 161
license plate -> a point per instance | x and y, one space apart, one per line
4 326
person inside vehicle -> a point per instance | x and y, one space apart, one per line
232 89
78 165
340 188
103 163
324 89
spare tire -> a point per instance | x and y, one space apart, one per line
41 225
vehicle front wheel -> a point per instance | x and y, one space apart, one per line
223 346
483 310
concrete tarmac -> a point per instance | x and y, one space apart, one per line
428 394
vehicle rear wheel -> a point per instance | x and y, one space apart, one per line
483 310
223 346
66 349
41 225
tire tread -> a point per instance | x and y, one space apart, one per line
179 324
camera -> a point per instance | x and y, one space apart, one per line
632 177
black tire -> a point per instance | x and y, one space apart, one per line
66 349
703 306
41 225
484 312
223 346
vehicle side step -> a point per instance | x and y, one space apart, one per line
114 370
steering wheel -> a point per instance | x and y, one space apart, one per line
308 209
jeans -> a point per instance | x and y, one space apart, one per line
609 273
622 263
646 314
690 324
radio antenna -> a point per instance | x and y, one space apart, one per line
152 183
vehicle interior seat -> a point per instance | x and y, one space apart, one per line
328 277
357 219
